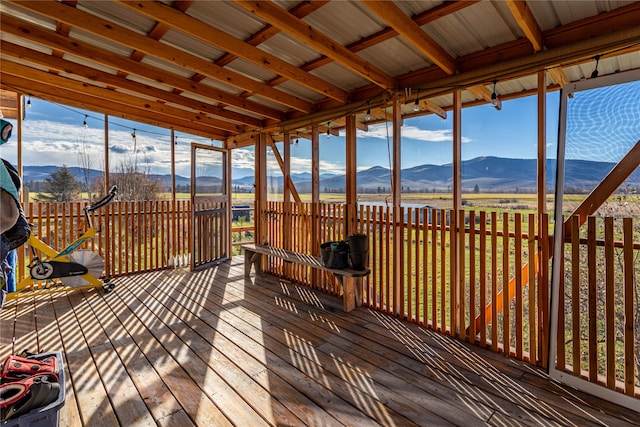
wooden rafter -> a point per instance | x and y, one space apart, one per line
265 33
409 29
54 93
119 34
481 92
73 47
103 94
527 22
56 63
558 75
295 27
211 35
426 105
9 105
444 9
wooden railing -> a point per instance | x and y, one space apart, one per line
600 315
134 236
498 296
481 276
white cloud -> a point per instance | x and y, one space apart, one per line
380 131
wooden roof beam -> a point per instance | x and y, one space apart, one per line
8 102
59 64
481 92
265 33
527 22
119 34
425 104
117 98
387 33
285 21
54 40
211 35
558 75
398 20
54 93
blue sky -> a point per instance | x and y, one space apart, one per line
54 135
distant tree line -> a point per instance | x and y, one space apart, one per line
63 186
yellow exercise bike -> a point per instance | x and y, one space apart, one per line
74 268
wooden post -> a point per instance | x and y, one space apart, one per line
540 270
173 164
286 228
20 103
107 186
542 143
396 187
315 199
260 188
351 191
456 249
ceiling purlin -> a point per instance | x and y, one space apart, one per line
59 64
54 93
480 92
127 66
502 70
213 36
527 22
265 33
126 37
109 95
160 29
558 75
425 104
407 28
387 33
286 22
529 26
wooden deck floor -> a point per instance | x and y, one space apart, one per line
210 348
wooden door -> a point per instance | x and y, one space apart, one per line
211 205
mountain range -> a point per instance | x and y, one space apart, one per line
489 174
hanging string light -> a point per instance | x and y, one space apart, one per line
497 104
416 105
594 74
84 122
29 102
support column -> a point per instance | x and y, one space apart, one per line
20 103
315 193
351 190
260 188
543 248
457 279
315 200
542 142
107 180
173 165
396 186
286 171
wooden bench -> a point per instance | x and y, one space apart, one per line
351 280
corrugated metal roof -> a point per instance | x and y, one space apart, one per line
479 36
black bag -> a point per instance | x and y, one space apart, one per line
335 254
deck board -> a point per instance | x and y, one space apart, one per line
177 348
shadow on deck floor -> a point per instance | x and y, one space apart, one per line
212 348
